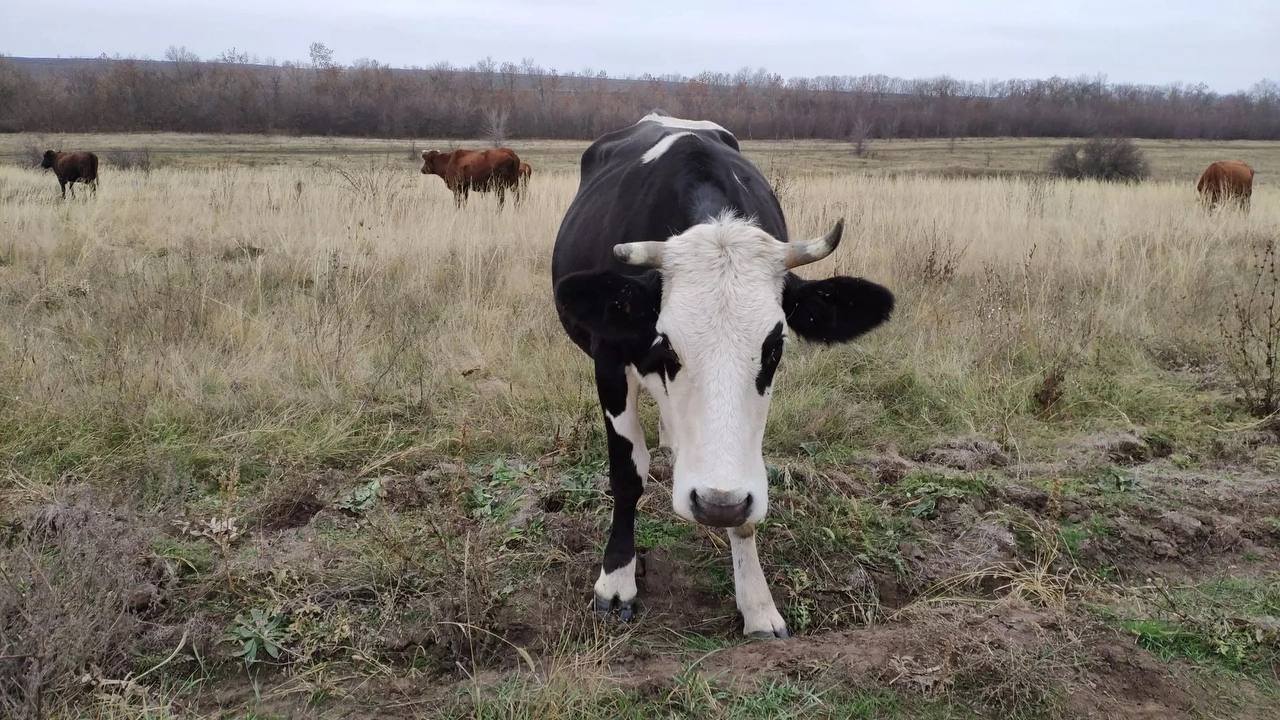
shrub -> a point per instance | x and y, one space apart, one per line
130 159
32 156
1107 159
1251 328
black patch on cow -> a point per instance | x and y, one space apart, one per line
770 356
661 358
625 483
834 310
611 385
626 487
611 305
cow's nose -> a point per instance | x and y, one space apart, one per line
718 508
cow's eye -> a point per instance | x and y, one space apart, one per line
661 358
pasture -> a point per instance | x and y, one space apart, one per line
325 435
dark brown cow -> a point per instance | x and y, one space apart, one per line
72 167
495 170
1226 180
526 172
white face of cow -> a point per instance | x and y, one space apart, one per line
722 320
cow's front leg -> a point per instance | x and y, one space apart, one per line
760 618
628 468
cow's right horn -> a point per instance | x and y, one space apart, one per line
803 253
643 254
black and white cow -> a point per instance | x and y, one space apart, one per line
671 271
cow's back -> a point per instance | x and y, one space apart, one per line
652 181
1234 176
76 166
504 165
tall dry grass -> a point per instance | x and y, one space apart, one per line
286 316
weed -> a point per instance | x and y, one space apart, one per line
260 631
223 533
362 498
578 488
1115 479
494 497
1228 623
1251 328
921 491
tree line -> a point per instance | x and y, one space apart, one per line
235 93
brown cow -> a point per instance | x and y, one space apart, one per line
526 172
480 170
1226 180
71 167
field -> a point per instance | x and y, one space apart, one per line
286 435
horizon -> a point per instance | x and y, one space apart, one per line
1143 43
1265 83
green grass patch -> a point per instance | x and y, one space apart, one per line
661 532
1227 623
1074 535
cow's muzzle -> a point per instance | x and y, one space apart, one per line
718 508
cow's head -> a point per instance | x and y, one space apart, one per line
430 160
49 157
708 329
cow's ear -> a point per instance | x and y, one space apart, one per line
834 310
611 305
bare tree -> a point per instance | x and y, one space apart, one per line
368 99
495 125
860 136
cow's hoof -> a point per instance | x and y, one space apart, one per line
605 606
782 634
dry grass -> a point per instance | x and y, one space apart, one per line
293 314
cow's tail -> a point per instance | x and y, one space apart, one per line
93 168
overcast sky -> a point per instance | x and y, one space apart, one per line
1228 45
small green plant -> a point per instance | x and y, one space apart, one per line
494 496
799 609
1115 479
223 533
361 499
922 491
578 488
258 632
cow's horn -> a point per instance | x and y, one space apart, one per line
644 254
803 253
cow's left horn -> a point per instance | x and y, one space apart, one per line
644 254
803 253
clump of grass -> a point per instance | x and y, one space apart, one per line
70 589
138 159
1228 623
